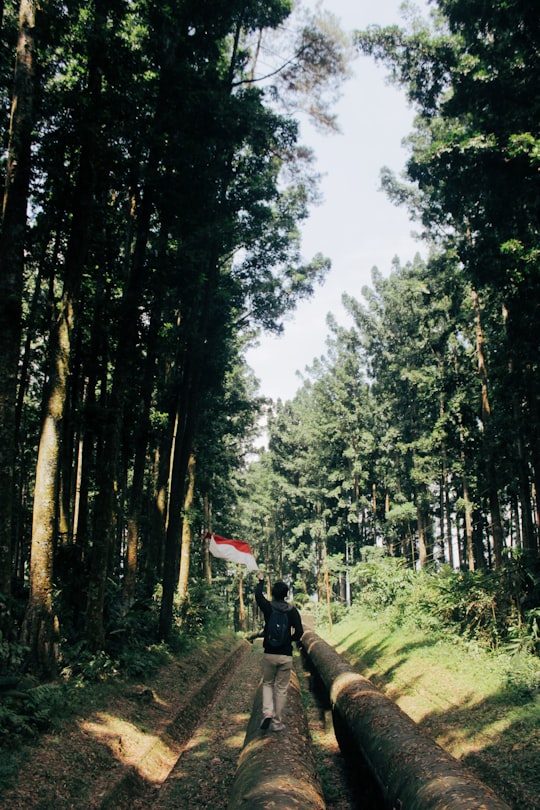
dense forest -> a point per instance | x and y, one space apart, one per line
155 183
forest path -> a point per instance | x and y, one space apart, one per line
206 762
204 772
172 741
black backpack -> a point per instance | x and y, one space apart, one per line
278 628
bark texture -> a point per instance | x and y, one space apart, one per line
277 769
414 772
12 242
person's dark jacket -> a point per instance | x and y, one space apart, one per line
293 616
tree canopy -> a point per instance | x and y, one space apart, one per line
155 187
155 184
418 433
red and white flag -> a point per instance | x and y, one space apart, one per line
232 550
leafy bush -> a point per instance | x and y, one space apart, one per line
203 611
338 611
138 661
131 647
25 711
532 619
83 664
12 655
379 582
522 671
482 606
476 603
416 605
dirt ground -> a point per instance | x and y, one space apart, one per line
128 746
156 743
173 741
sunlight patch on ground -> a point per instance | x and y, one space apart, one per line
460 744
151 756
197 745
235 741
239 719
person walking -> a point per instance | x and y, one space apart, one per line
280 618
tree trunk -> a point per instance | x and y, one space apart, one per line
137 484
12 241
202 337
422 545
180 453
495 511
125 369
153 556
208 524
48 461
490 472
467 501
532 400
527 527
447 518
479 534
241 603
45 505
327 589
185 553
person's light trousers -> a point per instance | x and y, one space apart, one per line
276 671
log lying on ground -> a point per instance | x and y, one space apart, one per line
414 772
277 769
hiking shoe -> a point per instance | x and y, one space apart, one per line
265 723
277 726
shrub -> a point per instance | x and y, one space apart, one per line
476 603
482 606
416 605
28 708
379 583
203 611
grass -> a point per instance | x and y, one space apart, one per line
482 707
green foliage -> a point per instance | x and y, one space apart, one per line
475 603
85 665
338 611
522 672
524 634
479 606
26 711
415 606
132 650
12 654
203 612
532 618
380 582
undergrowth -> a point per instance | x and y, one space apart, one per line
131 651
492 611
499 610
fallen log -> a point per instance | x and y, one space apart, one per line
413 771
277 769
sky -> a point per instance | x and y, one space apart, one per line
356 225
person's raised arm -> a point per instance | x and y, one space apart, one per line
260 598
